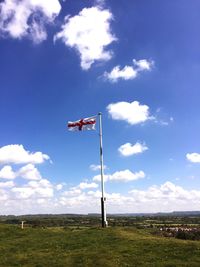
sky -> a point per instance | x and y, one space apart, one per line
138 63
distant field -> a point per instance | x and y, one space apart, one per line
116 246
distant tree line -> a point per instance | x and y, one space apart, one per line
65 220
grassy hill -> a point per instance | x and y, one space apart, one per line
115 246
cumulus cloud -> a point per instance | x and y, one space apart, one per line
83 185
6 184
165 197
59 187
121 176
89 33
128 149
128 72
34 189
22 192
77 190
16 154
167 191
7 173
29 172
193 157
133 113
3 196
143 64
38 197
73 192
27 18
30 191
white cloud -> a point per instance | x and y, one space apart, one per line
29 172
27 18
73 192
167 191
128 72
3 196
94 167
96 194
165 197
38 197
34 189
37 194
38 32
42 188
143 64
59 187
121 176
18 155
6 184
193 157
83 185
50 8
28 194
23 192
78 190
7 173
89 33
133 112
128 149
126 176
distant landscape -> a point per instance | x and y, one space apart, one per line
161 239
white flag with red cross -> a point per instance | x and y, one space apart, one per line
82 124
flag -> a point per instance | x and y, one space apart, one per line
82 124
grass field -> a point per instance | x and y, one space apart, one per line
116 246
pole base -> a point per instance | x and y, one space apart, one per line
103 213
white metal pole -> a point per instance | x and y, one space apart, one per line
103 199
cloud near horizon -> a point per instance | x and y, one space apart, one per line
89 33
26 183
38 197
121 176
35 194
167 191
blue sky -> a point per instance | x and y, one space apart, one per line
138 63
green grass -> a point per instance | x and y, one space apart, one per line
93 247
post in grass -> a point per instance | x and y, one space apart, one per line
22 224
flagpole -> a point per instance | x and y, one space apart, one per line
103 199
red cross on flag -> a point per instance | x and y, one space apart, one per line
82 124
